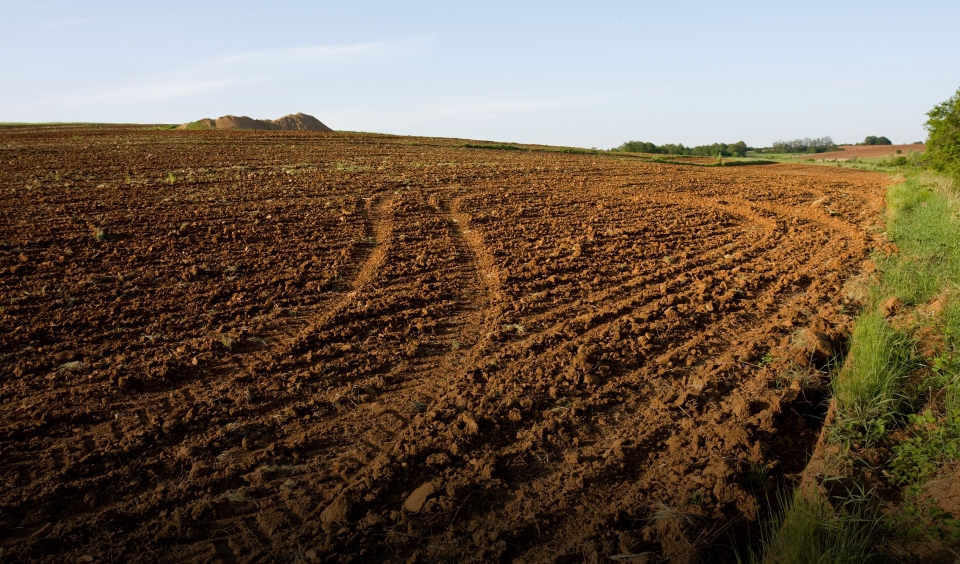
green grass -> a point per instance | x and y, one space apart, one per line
494 146
809 530
198 125
685 160
897 396
934 433
543 148
923 223
868 387
935 440
727 161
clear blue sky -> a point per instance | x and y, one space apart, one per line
570 73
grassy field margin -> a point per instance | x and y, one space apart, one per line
880 486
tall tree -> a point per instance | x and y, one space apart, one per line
943 137
738 149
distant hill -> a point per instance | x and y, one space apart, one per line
848 152
292 122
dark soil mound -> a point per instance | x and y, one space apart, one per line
300 122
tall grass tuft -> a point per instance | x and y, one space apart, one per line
868 387
809 530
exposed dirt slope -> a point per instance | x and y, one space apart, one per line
292 122
869 151
360 348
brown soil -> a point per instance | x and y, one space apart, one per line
292 122
869 151
373 348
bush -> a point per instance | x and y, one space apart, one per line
943 140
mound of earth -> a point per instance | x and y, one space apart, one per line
292 122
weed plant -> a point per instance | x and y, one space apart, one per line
935 432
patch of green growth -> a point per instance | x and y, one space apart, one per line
802 378
494 146
935 440
810 530
574 151
348 167
723 162
934 434
924 226
868 389
171 179
756 476
197 125
922 518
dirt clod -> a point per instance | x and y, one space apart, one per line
890 306
336 512
415 500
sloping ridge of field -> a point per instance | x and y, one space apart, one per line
375 348
848 152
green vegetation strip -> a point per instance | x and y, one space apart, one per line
510 147
718 162
896 433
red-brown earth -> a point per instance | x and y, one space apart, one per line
848 152
260 346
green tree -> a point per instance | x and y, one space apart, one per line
943 136
874 140
738 149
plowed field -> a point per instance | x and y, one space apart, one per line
267 346
848 152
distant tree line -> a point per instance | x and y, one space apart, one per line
874 140
806 145
738 149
